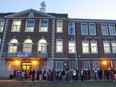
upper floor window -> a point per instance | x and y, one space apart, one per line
92 29
71 28
16 25
94 48
84 29
104 28
13 45
27 46
43 25
59 45
72 47
1 25
30 26
112 29
42 46
85 47
106 45
113 44
59 26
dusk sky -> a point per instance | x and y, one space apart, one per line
97 9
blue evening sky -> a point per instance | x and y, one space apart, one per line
97 9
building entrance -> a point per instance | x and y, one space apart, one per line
26 66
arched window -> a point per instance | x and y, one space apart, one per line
42 46
13 45
27 46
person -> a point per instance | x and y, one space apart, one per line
63 75
74 74
40 74
82 74
96 74
67 75
100 74
112 75
33 75
44 74
89 73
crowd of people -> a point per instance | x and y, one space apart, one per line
64 75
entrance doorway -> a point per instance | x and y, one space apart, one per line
26 66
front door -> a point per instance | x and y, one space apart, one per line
26 66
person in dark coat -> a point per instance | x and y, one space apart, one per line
33 75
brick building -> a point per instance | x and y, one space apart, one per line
39 40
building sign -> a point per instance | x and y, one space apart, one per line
23 54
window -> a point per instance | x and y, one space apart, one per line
86 64
72 65
42 46
59 26
59 65
13 45
71 28
95 64
106 47
43 26
0 41
85 47
104 29
72 47
84 29
114 64
1 25
109 64
113 44
94 48
16 25
59 46
27 46
92 29
30 26
112 29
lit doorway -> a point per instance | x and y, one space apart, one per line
26 66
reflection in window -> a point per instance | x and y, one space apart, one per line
30 26
43 26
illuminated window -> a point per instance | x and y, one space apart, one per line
16 25
42 46
84 29
104 28
27 46
106 45
85 47
113 44
72 47
59 46
43 25
59 26
94 48
13 44
30 26
92 29
1 25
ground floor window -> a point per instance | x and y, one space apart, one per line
95 64
9 65
109 64
86 64
42 65
59 65
72 65
114 64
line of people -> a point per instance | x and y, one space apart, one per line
64 75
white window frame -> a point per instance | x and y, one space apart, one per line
82 29
95 64
92 29
73 47
26 28
104 30
59 65
59 27
71 25
57 46
112 31
94 47
16 30
108 42
86 47
40 25
113 47
86 63
2 25
72 65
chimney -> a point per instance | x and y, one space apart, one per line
43 7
